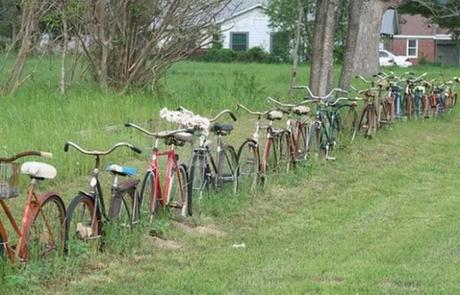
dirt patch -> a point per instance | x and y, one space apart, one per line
166 244
205 230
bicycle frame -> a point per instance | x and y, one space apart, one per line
162 194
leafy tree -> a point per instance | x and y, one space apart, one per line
446 16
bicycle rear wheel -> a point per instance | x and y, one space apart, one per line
178 198
47 232
83 226
345 125
248 166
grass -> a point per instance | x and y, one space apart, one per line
380 219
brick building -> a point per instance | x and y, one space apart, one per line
418 39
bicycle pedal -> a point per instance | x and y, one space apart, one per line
331 158
174 205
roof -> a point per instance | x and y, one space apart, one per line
238 7
390 23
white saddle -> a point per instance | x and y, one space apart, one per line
38 170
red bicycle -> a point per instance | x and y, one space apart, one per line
42 229
173 192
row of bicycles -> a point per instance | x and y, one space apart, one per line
313 128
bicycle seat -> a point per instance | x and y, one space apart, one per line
121 170
301 110
274 115
38 170
180 136
222 129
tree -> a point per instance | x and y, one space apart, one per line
446 16
133 43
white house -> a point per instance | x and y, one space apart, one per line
246 26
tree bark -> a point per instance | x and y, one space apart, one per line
362 49
65 37
296 46
322 66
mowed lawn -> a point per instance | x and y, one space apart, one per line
383 218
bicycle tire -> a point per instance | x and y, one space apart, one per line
123 208
315 140
285 152
149 203
178 198
47 231
248 165
345 125
80 229
300 142
227 167
198 178
368 121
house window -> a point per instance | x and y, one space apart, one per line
412 48
239 41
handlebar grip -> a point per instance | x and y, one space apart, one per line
66 147
46 155
128 125
136 149
233 116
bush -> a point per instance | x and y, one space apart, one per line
255 54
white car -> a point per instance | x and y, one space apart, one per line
387 58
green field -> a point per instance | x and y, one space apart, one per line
381 219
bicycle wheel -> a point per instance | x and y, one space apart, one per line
47 232
368 121
178 198
199 177
345 125
227 167
285 152
301 142
149 205
315 147
83 226
248 166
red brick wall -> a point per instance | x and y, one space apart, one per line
426 48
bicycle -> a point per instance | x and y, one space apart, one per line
207 169
298 129
42 229
171 193
87 210
252 167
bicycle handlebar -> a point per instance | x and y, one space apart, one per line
251 112
140 129
326 103
101 153
26 154
319 97
157 135
229 112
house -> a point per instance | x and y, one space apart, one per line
419 39
245 25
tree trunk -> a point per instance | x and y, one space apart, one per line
65 37
362 49
348 65
322 66
296 46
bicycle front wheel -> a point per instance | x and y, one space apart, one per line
227 167
47 231
178 198
301 142
83 226
315 144
248 166
345 125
